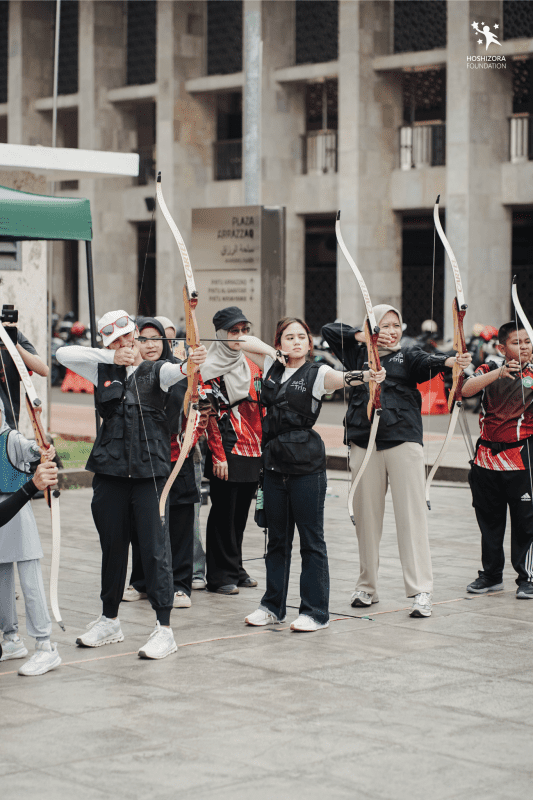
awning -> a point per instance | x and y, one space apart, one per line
35 216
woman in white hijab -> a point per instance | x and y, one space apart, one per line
397 456
235 382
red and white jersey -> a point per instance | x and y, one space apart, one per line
239 425
506 416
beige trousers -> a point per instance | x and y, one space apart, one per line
403 467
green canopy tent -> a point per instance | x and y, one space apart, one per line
26 216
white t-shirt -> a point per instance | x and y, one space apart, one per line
84 361
318 387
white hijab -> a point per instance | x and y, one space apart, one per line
379 313
231 365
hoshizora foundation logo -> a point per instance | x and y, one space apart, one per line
487 37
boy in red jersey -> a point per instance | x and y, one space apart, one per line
501 472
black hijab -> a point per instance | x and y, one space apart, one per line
151 322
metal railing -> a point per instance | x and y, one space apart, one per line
423 145
228 160
319 152
147 160
520 139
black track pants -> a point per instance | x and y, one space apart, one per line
181 529
119 503
492 493
230 504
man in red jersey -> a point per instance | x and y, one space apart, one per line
501 472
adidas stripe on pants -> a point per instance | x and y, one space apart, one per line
492 493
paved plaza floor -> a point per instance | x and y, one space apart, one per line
378 708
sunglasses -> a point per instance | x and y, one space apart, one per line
121 322
236 331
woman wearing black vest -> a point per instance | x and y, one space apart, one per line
294 462
131 462
397 457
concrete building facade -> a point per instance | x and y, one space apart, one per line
371 107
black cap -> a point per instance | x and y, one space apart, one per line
228 317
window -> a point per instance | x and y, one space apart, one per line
67 77
146 269
320 272
419 297
146 140
517 19
521 129
228 147
141 42
10 255
522 260
317 31
320 141
419 25
423 134
224 37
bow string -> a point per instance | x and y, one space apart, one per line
371 331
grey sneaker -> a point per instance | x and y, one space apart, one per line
43 660
525 591
421 605
360 598
131 594
13 647
160 643
101 631
482 585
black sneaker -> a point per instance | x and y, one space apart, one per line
525 591
482 585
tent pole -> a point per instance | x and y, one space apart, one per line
92 312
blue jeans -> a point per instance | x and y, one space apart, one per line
290 500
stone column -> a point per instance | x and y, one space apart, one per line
369 114
478 226
252 58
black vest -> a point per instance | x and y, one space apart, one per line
400 420
134 438
289 444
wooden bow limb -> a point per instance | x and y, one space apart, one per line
459 309
191 400
34 406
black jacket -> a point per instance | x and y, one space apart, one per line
401 420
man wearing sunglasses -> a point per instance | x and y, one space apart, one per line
131 462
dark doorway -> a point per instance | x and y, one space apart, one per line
420 299
522 259
320 272
146 270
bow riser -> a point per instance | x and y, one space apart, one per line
374 363
459 345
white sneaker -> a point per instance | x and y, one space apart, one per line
160 643
43 660
262 617
181 600
199 582
360 598
306 623
13 647
102 631
131 594
421 605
